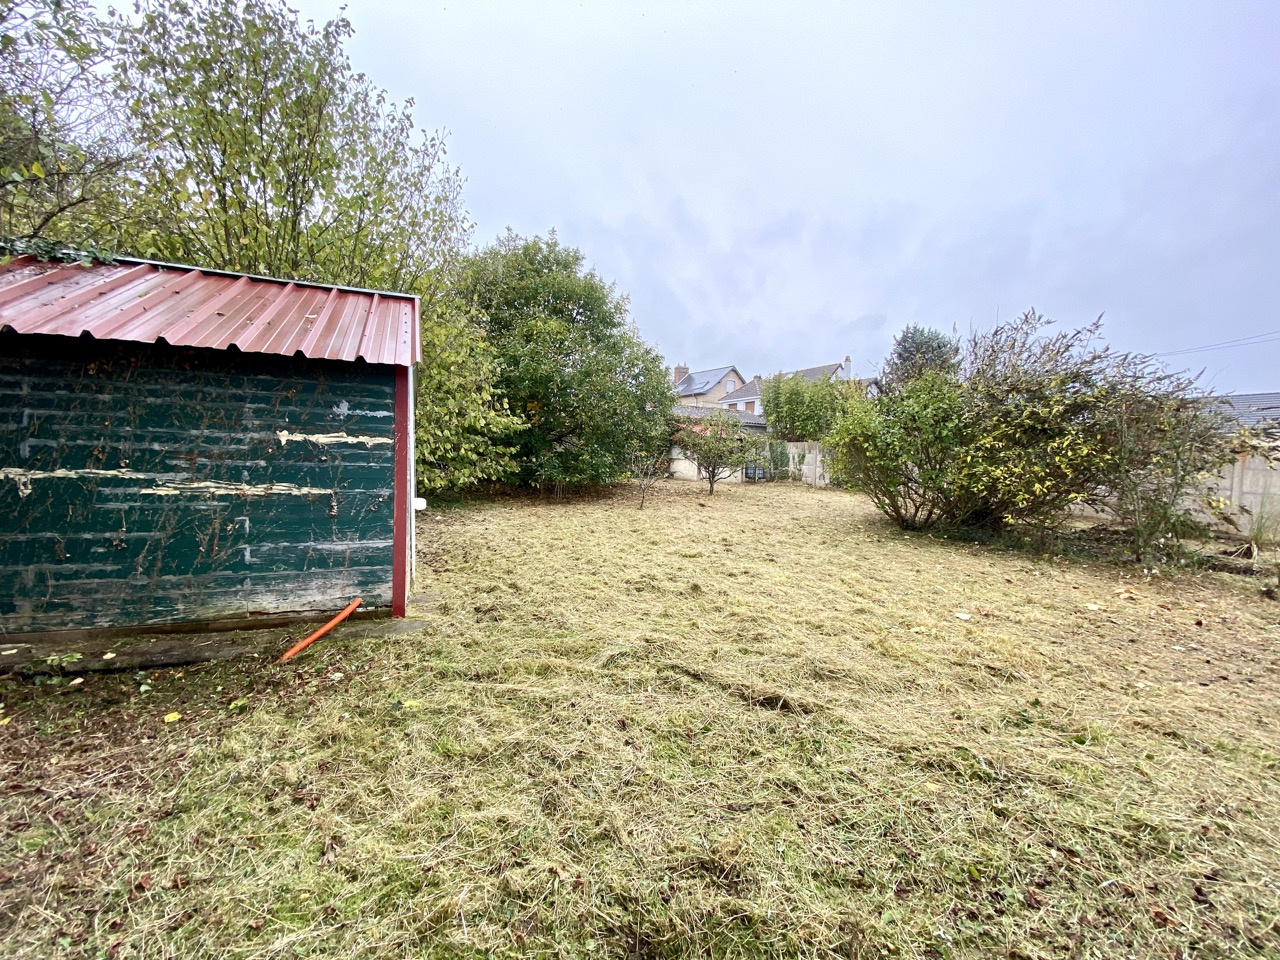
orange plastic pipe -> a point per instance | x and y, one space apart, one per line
301 645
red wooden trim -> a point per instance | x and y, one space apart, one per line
403 499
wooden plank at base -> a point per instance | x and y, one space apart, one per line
55 653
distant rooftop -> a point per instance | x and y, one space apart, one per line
748 391
700 381
751 389
702 413
1252 409
816 374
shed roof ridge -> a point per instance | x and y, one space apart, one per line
193 307
75 259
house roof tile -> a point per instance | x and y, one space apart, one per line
702 413
748 391
824 372
751 389
700 381
1252 409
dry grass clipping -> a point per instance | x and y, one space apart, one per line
763 724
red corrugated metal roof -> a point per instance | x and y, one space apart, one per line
189 307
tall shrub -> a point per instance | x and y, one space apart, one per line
1168 448
797 409
1032 422
900 449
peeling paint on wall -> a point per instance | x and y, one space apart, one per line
174 487
169 485
326 439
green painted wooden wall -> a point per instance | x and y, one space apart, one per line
143 484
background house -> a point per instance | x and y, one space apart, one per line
748 397
192 446
703 388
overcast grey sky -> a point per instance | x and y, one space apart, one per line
779 185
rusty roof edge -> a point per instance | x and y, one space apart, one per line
216 272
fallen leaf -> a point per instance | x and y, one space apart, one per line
1092 606
76 681
108 656
961 615
171 717
4 721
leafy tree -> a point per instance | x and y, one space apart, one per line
718 446
62 144
267 153
568 361
916 351
651 455
462 424
797 409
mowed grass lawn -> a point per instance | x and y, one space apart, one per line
763 724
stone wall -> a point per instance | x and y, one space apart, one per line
809 463
1252 487
682 468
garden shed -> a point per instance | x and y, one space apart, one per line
188 446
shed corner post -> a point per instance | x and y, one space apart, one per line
401 563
